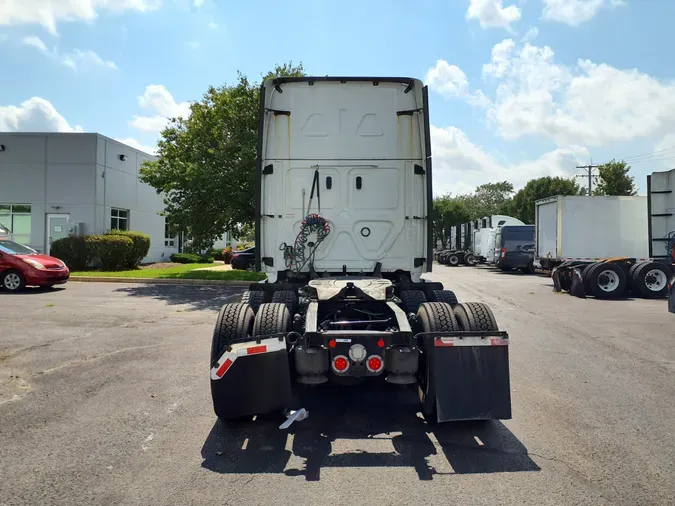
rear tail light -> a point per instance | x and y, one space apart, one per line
503 252
374 363
340 364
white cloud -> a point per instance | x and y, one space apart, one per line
49 13
162 105
591 103
213 25
460 166
492 13
73 59
130 141
34 115
451 81
198 3
576 12
501 54
531 34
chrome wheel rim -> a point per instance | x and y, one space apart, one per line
656 280
608 281
12 281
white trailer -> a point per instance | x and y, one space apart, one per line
483 244
604 239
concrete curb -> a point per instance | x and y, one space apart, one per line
161 281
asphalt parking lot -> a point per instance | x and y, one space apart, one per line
104 399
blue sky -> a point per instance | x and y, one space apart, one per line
519 88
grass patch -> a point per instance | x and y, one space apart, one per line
184 271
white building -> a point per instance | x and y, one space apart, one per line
57 184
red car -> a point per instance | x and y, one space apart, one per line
21 266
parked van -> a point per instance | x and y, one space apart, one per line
514 248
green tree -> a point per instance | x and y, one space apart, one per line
493 197
448 212
613 179
206 164
522 206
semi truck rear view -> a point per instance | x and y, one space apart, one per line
343 232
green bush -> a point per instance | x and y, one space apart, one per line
141 245
115 252
244 245
73 251
217 254
191 258
227 255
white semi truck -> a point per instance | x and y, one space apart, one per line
608 243
343 215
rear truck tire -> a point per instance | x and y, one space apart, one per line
475 316
470 260
253 298
411 300
650 280
606 281
272 318
631 272
234 323
287 297
453 260
432 317
12 281
447 296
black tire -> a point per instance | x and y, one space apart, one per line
411 300
12 281
272 318
470 260
475 316
606 281
453 260
286 297
432 317
234 323
447 296
253 298
631 272
650 280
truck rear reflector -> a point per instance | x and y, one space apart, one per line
243 350
440 342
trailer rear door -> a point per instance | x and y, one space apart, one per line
661 210
546 221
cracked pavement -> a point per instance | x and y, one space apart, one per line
104 399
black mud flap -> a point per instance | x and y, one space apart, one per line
671 296
472 376
251 379
577 288
555 275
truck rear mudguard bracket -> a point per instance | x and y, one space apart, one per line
471 375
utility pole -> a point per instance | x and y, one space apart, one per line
589 174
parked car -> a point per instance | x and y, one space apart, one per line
244 260
514 247
21 266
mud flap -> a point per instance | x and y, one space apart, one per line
252 378
471 375
555 275
577 288
671 296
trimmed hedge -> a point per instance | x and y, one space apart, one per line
191 258
73 251
217 254
140 247
114 251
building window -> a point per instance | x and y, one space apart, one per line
119 219
169 237
16 217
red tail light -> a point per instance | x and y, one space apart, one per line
503 252
340 364
374 364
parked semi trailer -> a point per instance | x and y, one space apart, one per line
343 233
485 234
599 246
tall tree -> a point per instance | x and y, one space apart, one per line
493 197
522 206
613 179
448 212
206 164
